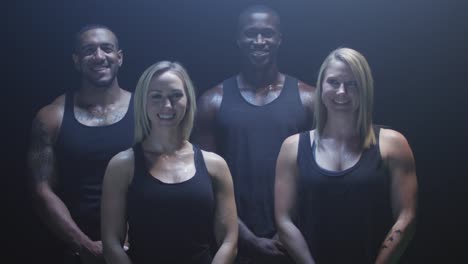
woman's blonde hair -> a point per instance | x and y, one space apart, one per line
142 122
365 83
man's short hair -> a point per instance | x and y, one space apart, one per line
258 9
91 27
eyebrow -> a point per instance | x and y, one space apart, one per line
160 90
266 27
106 44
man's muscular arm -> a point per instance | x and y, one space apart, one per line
42 171
307 94
208 106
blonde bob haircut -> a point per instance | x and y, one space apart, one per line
142 122
365 84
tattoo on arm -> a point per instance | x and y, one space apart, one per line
390 238
40 157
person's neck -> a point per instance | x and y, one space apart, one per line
163 141
255 78
89 94
341 127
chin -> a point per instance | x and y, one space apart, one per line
259 64
102 83
168 123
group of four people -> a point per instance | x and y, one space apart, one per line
119 168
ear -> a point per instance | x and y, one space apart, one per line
76 62
120 57
280 38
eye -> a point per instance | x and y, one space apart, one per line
88 51
250 33
268 33
176 96
156 96
333 82
108 48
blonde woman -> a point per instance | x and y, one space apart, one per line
345 192
173 195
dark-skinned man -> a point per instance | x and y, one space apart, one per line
245 119
73 138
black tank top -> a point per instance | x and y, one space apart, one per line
344 216
249 139
82 156
170 223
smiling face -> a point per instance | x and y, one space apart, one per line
259 38
339 88
166 100
98 57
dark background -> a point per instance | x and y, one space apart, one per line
416 49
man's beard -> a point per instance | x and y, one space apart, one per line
104 83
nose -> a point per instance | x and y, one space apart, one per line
259 39
341 89
167 103
99 54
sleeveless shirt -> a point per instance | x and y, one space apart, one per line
249 138
344 216
170 222
82 154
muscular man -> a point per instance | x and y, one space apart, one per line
74 137
245 119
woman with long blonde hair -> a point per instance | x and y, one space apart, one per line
345 192
174 196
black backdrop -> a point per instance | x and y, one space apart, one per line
417 50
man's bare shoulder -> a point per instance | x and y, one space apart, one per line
208 105
211 99
50 116
307 94
56 107
305 87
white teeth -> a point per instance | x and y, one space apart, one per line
166 116
340 102
99 69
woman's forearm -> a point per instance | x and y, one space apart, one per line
396 241
294 242
226 253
